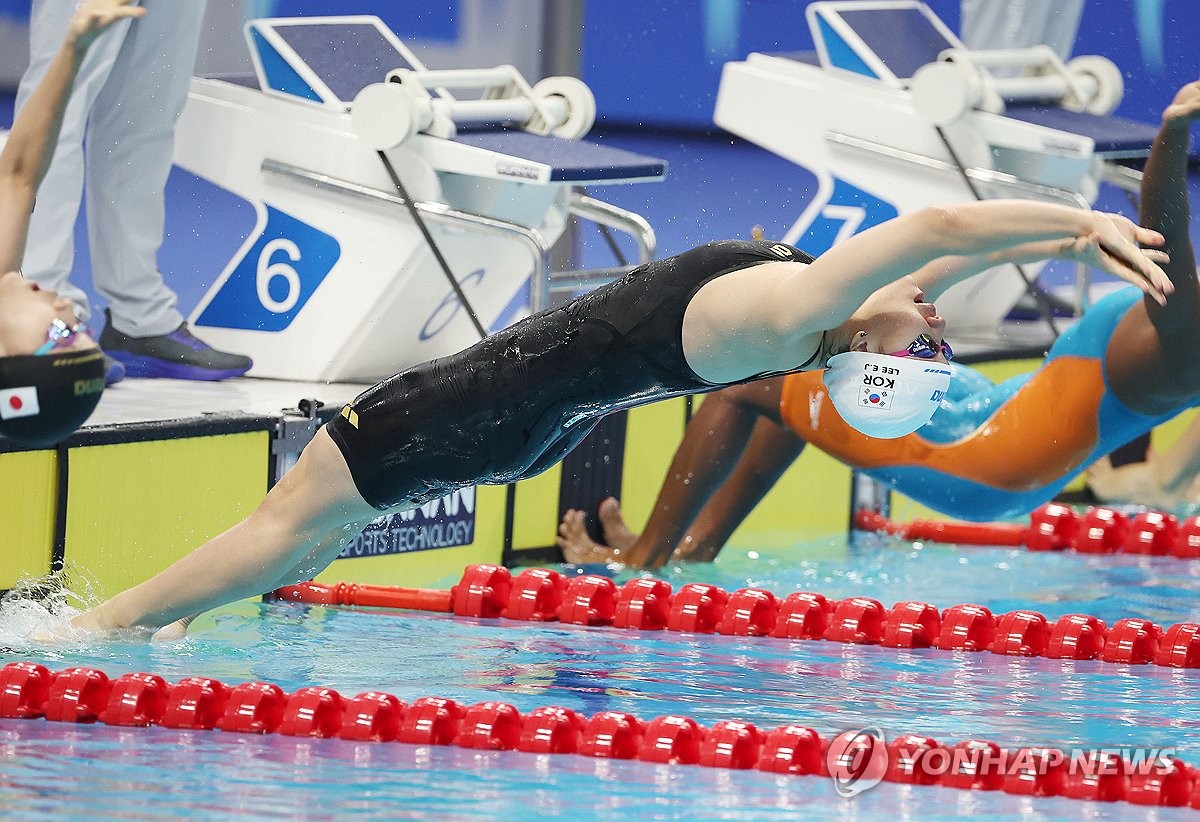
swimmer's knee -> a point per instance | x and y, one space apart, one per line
317 492
760 396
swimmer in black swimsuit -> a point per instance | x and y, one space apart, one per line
515 403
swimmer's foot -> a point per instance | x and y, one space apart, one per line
577 546
612 522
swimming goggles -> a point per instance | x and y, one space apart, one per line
925 348
60 335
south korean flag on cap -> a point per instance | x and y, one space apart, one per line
19 402
872 397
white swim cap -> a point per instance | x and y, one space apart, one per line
884 396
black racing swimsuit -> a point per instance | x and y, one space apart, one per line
515 403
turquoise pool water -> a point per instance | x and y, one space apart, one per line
52 770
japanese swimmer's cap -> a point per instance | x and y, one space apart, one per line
884 396
44 399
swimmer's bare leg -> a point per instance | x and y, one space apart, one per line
316 560
314 498
714 440
771 451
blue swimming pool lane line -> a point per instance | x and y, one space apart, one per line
854 760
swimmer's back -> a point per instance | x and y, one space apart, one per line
487 414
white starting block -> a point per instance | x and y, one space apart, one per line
893 113
337 281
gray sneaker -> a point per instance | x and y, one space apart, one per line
179 355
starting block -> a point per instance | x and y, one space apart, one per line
338 280
893 113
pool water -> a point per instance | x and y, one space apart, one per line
54 770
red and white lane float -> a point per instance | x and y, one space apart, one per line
1057 527
542 594
88 695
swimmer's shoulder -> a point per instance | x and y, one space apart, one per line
756 251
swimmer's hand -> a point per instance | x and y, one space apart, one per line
1125 250
94 16
97 621
1184 109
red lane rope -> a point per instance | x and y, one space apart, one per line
540 594
87 695
1056 527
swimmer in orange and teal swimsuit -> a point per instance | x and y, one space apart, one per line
994 451
990 451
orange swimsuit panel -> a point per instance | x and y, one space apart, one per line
1027 443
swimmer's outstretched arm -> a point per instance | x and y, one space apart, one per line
1164 206
1164 195
774 312
1151 362
850 271
286 532
1164 209
26 155
936 277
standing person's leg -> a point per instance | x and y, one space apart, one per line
129 153
1012 24
50 248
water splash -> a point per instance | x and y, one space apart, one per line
37 611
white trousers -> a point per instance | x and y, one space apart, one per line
127 97
1015 24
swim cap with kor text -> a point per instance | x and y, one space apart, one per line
885 396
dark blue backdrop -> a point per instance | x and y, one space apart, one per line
660 63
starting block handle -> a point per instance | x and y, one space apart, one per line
962 80
388 114
1050 87
500 76
499 112
1033 57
